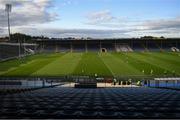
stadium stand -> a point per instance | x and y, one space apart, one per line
153 46
91 103
168 82
8 50
93 46
123 45
138 47
174 49
123 48
11 50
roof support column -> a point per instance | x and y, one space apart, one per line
86 47
100 45
71 47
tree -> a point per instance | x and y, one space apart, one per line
18 37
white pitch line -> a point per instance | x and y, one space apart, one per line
106 66
14 68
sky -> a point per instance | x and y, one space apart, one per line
92 18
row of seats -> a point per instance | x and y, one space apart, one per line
122 48
92 103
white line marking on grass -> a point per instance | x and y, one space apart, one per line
55 69
106 65
127 62
14 68
76 66
55 59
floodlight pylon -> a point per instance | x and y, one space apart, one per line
8 10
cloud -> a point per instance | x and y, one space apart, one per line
67 2
99 17
165 27
55 32
161 24
28 15
94 33
161 27
13 2
136 28
27 12
105 19
1 30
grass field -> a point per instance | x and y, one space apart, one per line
102 64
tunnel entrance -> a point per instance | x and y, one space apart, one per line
104 50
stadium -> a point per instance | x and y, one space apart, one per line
102 57
88 78
115 67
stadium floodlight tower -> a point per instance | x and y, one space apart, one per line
8 10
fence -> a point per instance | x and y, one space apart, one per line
15 83
36 82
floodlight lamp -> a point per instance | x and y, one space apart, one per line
8 8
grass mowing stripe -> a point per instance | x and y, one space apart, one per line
118 67
14 63
173 53
149 59
163 63
91 64
113 74
9 64
129 62
143 65
101 56
105 64
32 66
12 69
64 65
170 58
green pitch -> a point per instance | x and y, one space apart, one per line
102 64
